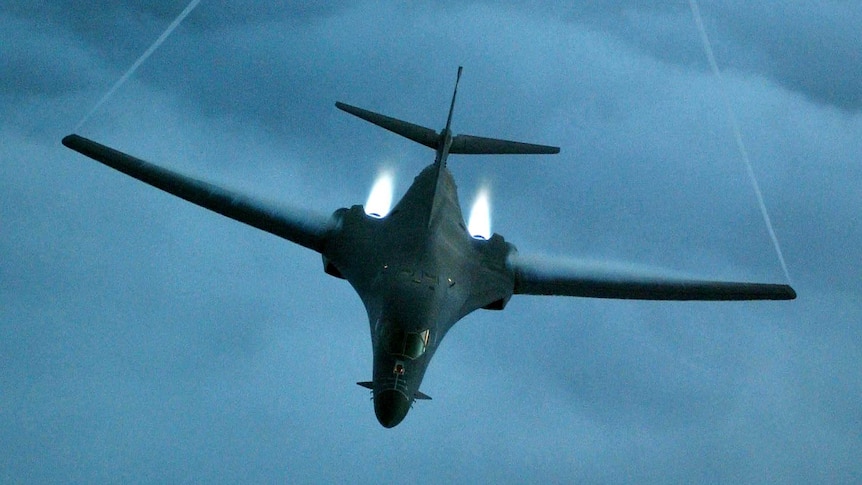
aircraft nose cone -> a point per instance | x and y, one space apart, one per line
391 406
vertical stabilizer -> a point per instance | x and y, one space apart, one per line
445 142
454 94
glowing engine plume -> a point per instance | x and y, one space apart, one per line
480 216
380 198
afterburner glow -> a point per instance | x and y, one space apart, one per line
479 224
380 198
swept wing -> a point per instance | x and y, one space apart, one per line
567 277
304 228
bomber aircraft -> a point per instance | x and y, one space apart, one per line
417 269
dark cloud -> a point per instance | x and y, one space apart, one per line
34 67
145 339
812 49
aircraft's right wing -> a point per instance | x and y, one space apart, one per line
543 276
306 229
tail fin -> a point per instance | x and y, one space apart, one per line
452 105
477 145
461 144
419 134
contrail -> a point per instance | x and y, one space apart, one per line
191 6
707 46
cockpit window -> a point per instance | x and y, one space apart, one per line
408 344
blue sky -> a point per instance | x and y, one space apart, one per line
144 339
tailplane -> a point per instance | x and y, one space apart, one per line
459 144
419 134
477 145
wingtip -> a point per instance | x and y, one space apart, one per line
344 107
776 291
68 139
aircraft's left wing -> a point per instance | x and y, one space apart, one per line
544 276
306 229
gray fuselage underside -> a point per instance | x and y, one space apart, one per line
417 269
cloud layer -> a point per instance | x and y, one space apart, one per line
145 339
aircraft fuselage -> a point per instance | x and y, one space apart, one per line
417 271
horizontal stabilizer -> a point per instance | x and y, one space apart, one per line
477 145
419 134
461 144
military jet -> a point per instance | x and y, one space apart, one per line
417 269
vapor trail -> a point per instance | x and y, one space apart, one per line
191 6
707 46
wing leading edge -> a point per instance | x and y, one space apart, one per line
534 276
306 229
